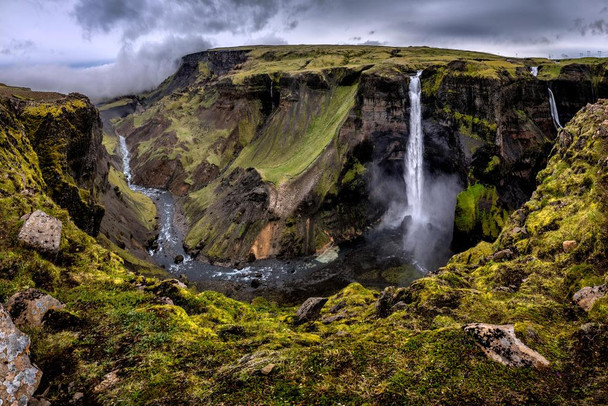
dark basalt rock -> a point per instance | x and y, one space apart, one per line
310 310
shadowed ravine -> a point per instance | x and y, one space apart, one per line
375 260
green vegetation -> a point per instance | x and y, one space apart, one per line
118 103
142 205
477 208
122 347
292 141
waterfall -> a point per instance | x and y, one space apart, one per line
534 70
554 114
413 167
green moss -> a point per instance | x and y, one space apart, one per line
476 208
142 205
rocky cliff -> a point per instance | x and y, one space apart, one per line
281 151
65 134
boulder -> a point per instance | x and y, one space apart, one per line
588 295
500 344
41 231
569 246
310 310
19 378
29 307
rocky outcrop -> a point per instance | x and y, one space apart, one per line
41 231
19 378
587 296
65 133
500 344
29 307
310 310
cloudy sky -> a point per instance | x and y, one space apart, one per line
104 48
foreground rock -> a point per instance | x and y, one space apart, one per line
310 310
29 307
41 231
390 301
587 296
19 378
500 344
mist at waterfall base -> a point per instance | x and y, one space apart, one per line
421 207
425 238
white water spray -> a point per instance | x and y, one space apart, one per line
554 113
413 169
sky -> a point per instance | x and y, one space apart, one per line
106 48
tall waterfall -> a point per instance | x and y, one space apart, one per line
554 114
534 70
413 168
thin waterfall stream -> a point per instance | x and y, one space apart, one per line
554 113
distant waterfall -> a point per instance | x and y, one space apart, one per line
554 114
534 70
413 169
126 165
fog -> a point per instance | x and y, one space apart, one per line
134 71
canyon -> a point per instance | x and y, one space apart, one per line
399 225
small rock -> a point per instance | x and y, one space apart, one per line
19 378
388 298
500 344
310 309
504 254
588 295
28 308
77 397
109 380
178 259
569 246
267 369
39 402
162 300
255 283
398 307
41 231
334 317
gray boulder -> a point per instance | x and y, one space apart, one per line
41 231
28 308
500 344
587 296
19 378
310 310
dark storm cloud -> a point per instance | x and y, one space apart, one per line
140 17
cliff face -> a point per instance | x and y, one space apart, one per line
65 133
325 129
